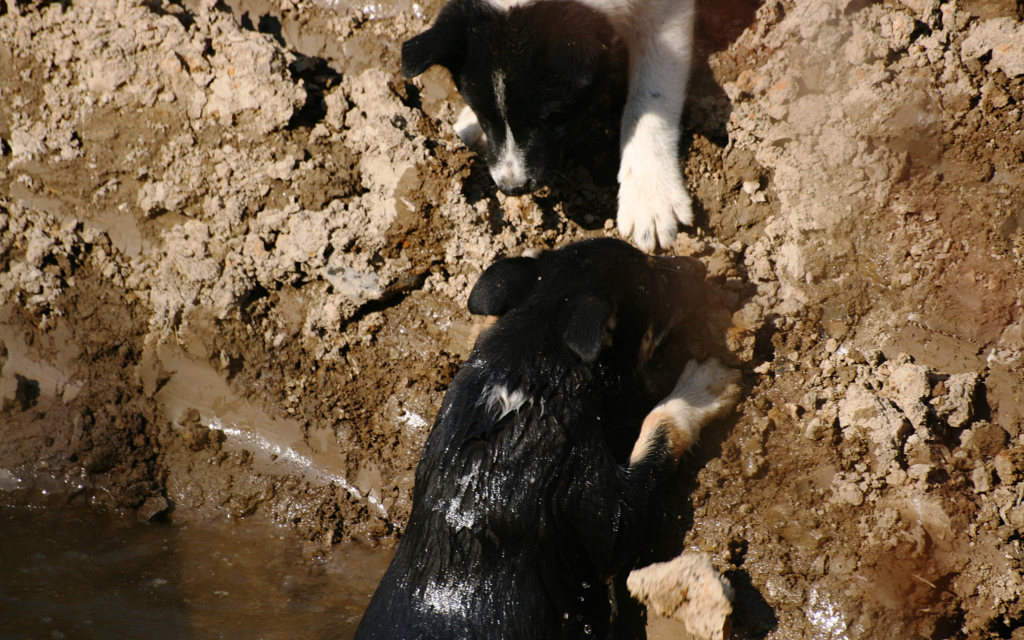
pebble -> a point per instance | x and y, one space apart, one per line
982 479
851 494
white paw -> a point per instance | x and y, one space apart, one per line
703 392
469 130
708 389
652 201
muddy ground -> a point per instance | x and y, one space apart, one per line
236 247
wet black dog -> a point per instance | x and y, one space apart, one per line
521 514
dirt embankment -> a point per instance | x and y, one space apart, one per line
236 250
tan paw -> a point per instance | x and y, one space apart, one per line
703 392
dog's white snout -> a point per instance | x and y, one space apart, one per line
509 172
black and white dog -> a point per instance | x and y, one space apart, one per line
521 512
528 68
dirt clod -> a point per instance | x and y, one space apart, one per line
688 589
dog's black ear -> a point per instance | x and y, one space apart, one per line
589 318
502 286
444 43
578 61
579 45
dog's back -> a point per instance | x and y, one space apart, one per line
484 552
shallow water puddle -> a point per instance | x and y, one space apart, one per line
77 573
73 572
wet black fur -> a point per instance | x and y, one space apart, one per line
555 57
523 518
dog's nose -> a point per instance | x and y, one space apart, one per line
510 189
512 180
509 169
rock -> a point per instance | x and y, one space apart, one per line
988 439
764 424
197 436
956 406
25 146
234 286
152 507
896 477
1004 38
982 479
850 494
306 238
809 401
877 418
902 30
1015 518
864 46
1010 465
352 283
873 357
815 429
908 386
688 589
918 471
753 464
784 91
921 7
252 76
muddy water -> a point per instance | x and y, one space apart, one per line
74 572
77 573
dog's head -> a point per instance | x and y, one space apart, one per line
591 300
527 72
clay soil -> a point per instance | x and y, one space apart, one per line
236 247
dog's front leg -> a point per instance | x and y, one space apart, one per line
704 391
652 194
468 128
